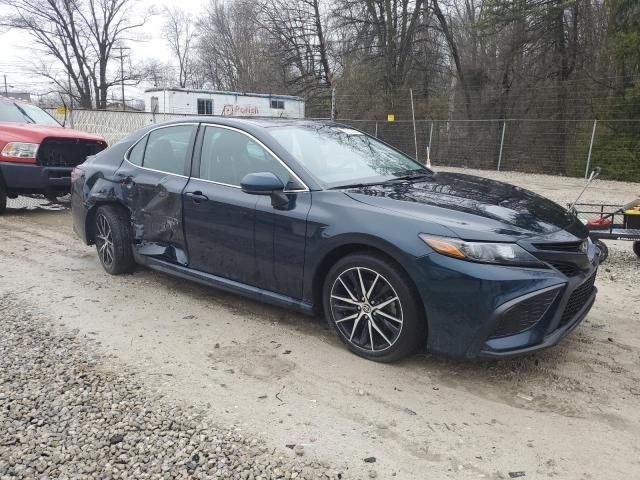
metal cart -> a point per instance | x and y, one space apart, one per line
618 228
607 221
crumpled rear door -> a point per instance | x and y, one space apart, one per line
154 189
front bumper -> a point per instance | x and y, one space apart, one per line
30 178
465 303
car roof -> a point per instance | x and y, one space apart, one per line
263 122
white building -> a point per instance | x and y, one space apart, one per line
213 102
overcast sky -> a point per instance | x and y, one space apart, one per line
18 56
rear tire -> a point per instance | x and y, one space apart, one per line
603 250
636 247
114 240
358 300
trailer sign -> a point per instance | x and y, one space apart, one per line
239 111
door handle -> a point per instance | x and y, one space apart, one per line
197 196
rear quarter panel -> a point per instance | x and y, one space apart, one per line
97 185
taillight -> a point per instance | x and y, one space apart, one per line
76 173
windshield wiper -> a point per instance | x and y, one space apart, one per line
24 114
413 176
356 185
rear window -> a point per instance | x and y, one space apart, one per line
137 152
18 112
168 149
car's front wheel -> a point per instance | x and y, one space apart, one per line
113 240
372 306
3 197
603 251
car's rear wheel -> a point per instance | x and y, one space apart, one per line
113 240
371 304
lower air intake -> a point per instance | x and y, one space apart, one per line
578 299
524 315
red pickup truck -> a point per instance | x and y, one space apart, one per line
37 154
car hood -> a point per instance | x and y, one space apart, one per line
475 208
29 132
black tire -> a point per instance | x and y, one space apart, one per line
388 340
603 251
3 197
636 248
51 198
113 240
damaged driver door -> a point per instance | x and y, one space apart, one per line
153 178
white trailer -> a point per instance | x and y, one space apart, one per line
214 102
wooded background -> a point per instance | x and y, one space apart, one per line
542 70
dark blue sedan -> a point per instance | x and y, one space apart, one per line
321 217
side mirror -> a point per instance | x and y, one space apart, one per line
263 183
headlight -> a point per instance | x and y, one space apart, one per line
20 150
497 253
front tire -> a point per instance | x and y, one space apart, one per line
636 247
113 240
372 306
603 251
3 197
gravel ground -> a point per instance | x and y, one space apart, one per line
63 414
563 190
38 203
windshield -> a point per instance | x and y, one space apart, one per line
339 156
18 112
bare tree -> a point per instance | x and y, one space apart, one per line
386 30
80 35
179 30
299 32
159 74
233 51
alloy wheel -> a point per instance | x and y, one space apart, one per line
104 240
366 309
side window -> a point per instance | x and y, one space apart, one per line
205 106
277 104
137 152
227 156
168 149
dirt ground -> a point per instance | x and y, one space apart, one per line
571 412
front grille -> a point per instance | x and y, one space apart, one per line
67 152
566 257
569 269
560 247
524 315
578 299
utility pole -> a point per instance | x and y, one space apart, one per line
122 76
333 104
413 116
69 87
121 48
70 99
6 91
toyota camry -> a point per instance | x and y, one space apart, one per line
321 217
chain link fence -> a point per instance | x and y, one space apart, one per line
571 147
112 125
